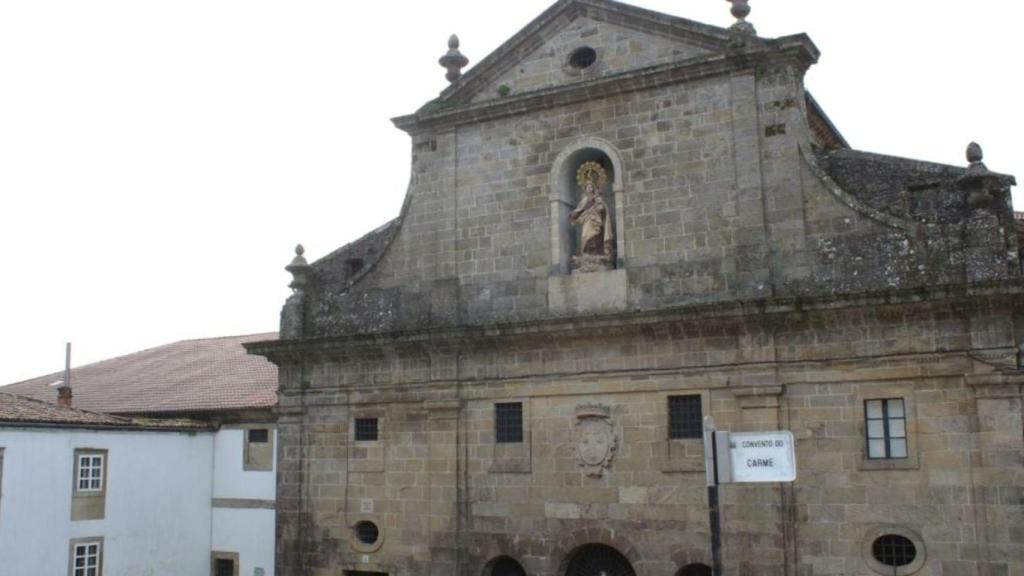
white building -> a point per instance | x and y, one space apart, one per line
181 481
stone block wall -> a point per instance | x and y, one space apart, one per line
449 499
721 199
744 273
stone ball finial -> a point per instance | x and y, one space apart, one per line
740 11
980 184
453 60
299 269
974 153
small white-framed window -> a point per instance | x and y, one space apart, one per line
89 472
886 428
86 558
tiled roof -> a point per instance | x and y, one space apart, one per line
191 376
18 410
15 408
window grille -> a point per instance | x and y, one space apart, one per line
367 532
685 418
508 422
366 430
894 550
259 436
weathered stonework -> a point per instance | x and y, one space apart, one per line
760 264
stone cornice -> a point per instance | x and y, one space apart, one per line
442 338
533 35
798 50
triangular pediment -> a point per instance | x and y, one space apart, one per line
622 38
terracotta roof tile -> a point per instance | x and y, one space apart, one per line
19 409
207 375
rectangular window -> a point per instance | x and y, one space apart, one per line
259 449
89 484
685 417
508 422
885 423
224 564
366 430
89 472
85 558
224 567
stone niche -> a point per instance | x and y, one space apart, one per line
576 285
566 193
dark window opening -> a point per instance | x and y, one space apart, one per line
367 532
259 436
508 422
894 550
224 567
366 430
583 58
685 418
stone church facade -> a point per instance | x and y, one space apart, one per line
620 222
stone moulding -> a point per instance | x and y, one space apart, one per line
530 38
797 48
295 350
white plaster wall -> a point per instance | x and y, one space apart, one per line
249 532
158 514
230 479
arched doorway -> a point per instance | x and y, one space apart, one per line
695 570
504 566
598 560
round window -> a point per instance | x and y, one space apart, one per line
367 532
893 550
582 58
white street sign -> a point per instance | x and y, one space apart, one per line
761 457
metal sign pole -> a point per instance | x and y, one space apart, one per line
714 514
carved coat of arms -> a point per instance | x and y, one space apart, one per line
595 439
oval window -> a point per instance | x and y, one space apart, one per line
367 532
894 550
582 58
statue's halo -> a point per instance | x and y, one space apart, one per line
591 172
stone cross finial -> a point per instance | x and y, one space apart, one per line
740 10
299 269
453 60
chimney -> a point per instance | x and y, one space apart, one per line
64 390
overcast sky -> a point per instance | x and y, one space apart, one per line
159 160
